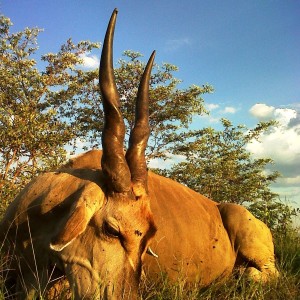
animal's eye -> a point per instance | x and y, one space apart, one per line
111 230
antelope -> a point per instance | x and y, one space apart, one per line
103 219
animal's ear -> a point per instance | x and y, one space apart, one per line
90 201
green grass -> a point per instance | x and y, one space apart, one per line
287 288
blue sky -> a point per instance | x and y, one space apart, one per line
248 50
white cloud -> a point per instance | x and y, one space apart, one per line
229 110
175 44
90 61
213 120
207 119
295 181
265 112
262 111
284 115
212 106
282 144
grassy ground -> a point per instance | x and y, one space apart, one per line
287 287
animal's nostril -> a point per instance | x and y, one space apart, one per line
138 233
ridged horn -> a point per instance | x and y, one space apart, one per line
139 135
113 161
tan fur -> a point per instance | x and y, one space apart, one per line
251 240
197 240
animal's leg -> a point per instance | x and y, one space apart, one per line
256 275
251 240
259 267
256 249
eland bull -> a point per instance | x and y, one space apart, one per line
102 219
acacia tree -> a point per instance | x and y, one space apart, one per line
32 131
218 165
